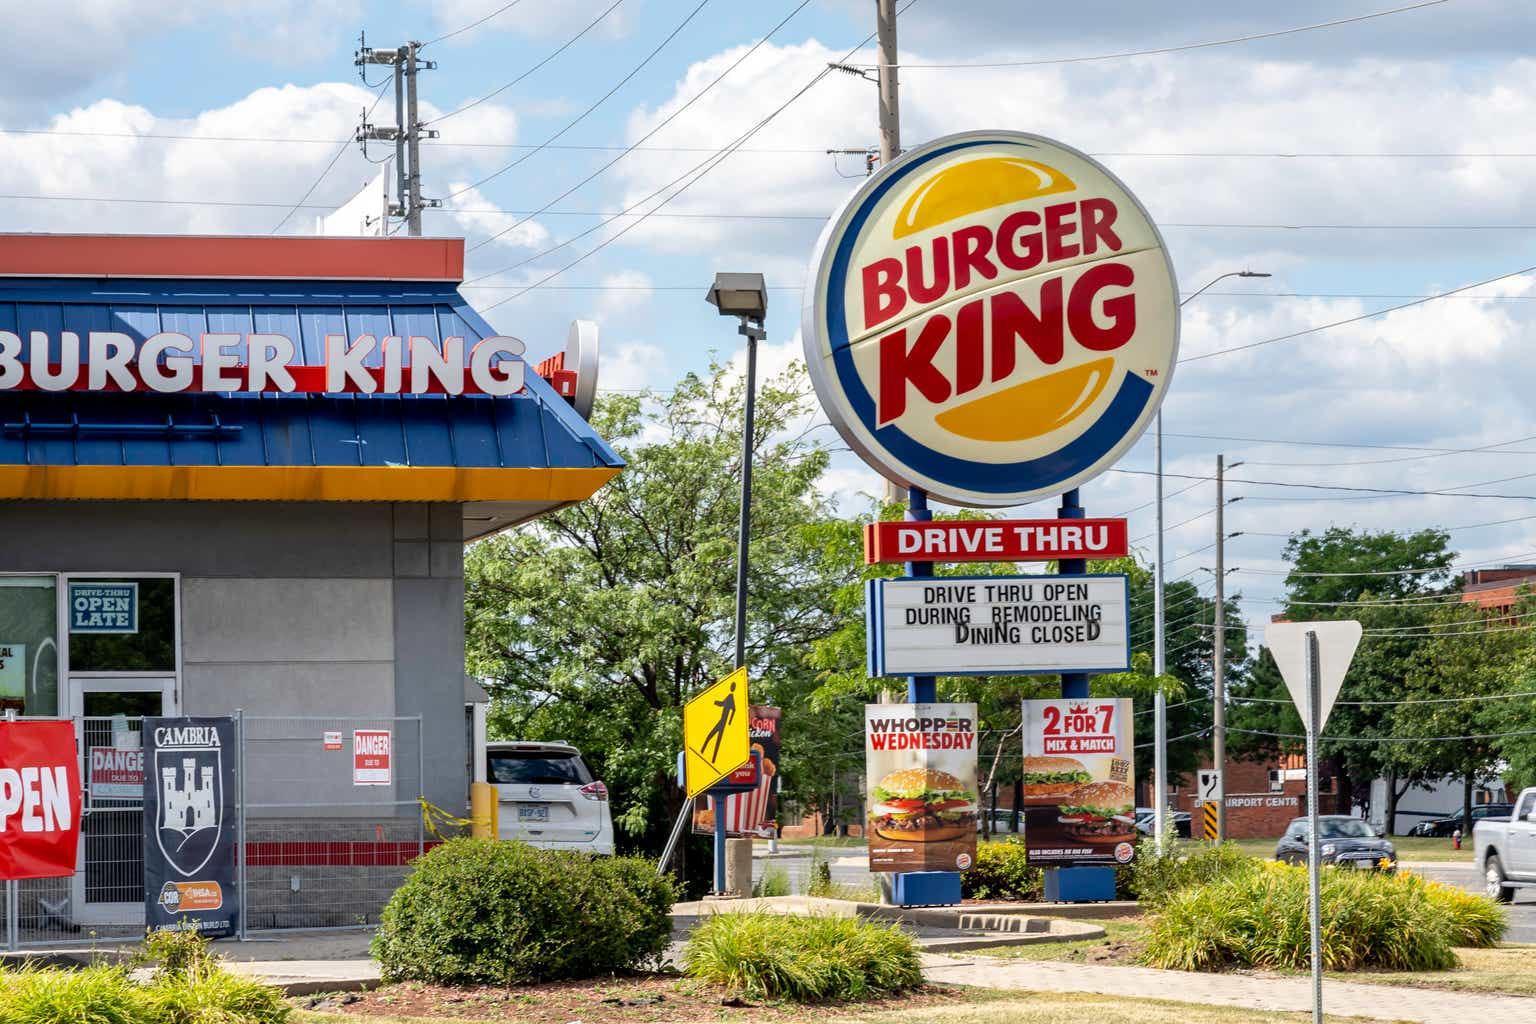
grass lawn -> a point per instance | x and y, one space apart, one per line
1508 969
1121 944
938 1005
1410 848
833 841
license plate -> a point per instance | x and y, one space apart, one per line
540 813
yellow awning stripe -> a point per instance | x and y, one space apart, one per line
302 483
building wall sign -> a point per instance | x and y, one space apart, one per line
168 363
993 318
997 625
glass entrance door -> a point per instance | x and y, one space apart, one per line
108 886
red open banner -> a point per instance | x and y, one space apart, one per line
39 800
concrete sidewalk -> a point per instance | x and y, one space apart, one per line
1258 992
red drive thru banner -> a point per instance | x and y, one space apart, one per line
998 540
39 800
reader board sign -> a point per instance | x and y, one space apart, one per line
997 625
1079 776
992 317
39 800
115 774
371 749
1006 540
189 826
103 607
920 766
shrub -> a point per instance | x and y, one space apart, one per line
1259 918
482 911
188 987
1476 920
807 959
820 882
775 882
1155 876
1001 872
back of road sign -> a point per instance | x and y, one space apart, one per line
1336 643
715 740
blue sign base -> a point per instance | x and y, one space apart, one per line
1079 885
925 888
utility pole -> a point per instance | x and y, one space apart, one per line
890 120
1219 660
407 132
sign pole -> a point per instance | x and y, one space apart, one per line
12 890
920 689
1314 855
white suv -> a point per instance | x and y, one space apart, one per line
548 797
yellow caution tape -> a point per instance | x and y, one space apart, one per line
432 816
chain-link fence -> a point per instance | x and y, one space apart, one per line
328 820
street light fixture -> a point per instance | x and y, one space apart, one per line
1159 641
745 297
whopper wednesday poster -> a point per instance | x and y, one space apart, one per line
1079 792
920 764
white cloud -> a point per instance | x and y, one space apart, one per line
632 365
624 293
480 218
64 46
195 175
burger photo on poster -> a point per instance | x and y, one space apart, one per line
922 805
1048 779
1099 811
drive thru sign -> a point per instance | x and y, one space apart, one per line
715 740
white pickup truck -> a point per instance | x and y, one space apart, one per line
1506 850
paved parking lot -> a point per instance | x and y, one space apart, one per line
1522 913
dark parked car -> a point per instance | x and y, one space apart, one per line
1346 842
1443 827
1146 817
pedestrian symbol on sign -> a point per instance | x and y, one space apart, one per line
727 712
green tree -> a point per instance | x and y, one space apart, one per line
1391 583
596 624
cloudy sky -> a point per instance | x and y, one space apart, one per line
1362 164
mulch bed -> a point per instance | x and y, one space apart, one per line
620 1000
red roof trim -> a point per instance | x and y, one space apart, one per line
232 256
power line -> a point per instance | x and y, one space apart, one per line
1314 444
557 52
600 147
1387 739
1354 319
1453 492
668 120
703 168
346 144
1395 703
504 8
1180 48
687 18
1496 448
1175 739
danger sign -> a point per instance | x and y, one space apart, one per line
39 800
370 757
116 774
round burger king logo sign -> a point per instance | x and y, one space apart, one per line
993 318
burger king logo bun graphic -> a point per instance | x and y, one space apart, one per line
993 318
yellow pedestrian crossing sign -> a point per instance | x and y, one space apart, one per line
715 741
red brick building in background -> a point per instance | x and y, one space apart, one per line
1496 591
1262 796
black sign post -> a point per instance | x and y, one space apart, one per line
189 825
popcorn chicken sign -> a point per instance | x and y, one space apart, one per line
993 318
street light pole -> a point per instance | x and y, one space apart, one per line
1159 623
744 296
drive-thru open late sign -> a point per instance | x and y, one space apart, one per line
986 625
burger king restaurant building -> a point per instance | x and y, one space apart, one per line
239 473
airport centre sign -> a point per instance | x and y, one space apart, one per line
992 318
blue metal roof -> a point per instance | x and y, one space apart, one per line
533 429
